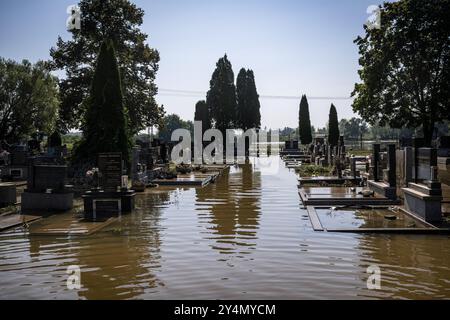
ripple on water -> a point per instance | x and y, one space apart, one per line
246 236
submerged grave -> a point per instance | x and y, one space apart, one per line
423 197
386 186
47 189
377 219
111 197
331 196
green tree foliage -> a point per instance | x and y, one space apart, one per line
405 69
354 128
106 126
386 133
118 20
333 127
248 105
172 122
202 115
221 98
28 100
304 122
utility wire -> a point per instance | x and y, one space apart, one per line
192 93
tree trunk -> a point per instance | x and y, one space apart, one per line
428 128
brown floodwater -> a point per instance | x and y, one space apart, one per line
244 237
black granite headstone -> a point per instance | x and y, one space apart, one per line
376 161
19 157
444 142
110 167
287 145
43 177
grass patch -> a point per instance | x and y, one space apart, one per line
360 153
313 170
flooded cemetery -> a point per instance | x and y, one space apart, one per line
118 183
231 231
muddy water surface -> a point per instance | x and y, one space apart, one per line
244 237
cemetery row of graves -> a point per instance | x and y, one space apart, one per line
37 184
399 188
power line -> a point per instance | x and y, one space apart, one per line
193 94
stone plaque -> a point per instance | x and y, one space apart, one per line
110 166
106 207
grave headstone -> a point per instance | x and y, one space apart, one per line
392 171
376 161
409 165
44 177
135 157
287 145
47 190
426 158
111 169
18 157
444 146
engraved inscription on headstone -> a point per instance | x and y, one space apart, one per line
110 166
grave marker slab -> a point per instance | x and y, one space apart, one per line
110 166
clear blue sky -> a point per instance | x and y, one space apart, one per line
294 47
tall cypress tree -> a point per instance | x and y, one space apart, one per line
242 112
105 128
333 127
253 101
221 98
202 114
304 122
248 106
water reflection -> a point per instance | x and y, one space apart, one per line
412 267
232 207
245 237
118 263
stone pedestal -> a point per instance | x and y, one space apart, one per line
424 201
99 204
8 194
16 172
47 202
47 190
383 189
